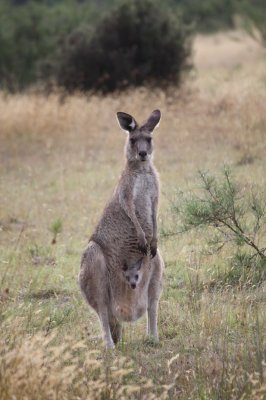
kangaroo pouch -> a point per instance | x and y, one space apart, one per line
130 304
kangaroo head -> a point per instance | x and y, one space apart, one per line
133 273
139 144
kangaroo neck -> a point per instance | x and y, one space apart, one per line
139 166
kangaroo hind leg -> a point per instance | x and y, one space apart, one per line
116 329
154 292
94 284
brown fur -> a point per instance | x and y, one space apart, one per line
127 232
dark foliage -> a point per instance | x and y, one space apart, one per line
137 43
142 41
254 15
30 35
208 15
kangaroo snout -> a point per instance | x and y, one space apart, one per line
143 155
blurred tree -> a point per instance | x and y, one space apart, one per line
138 43
30 35
22 42
33 33
208 15
254 14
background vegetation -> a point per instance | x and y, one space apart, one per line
45 41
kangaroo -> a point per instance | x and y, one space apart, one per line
133 274
127 231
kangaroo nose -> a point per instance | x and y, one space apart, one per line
133 285
143 153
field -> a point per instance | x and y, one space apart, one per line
60 159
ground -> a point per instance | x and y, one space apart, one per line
60 160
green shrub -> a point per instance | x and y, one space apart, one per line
254 14
56 228
246 269
138 43
208 15
236 217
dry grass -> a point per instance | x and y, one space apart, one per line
60 159
40 369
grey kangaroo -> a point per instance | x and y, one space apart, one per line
125 241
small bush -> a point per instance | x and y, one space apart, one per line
138 43
56 228
246 270
236 217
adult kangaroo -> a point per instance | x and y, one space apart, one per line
126 239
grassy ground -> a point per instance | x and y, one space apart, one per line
59 161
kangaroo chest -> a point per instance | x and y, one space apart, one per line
144 193
144 189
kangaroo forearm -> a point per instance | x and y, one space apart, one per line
154 221
153 244
155 228
131 214
129 209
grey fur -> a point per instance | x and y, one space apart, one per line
126 239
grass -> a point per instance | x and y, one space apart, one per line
60 160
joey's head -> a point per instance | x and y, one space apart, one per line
139 146
133 274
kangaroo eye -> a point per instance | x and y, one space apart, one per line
136 277
132 141
148 140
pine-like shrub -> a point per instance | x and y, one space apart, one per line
228 214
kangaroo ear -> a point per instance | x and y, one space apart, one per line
126 122
153 121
